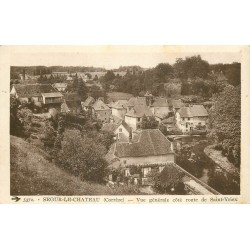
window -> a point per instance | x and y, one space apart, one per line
188 119
120 129
138 119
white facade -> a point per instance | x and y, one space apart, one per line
122 133
119 112
133 122
186 124
164 111
156 159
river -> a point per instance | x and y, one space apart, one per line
190 156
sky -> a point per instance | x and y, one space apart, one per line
111 57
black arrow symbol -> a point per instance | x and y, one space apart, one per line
16 199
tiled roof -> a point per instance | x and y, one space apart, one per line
120 104
89 101
126 126
177 104
111 127
160 102
136 101
54 94
139 111
30 90
151 142
100 105
115 118
192 111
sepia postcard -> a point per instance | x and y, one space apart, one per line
125 124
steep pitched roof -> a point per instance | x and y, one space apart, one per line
177 104
30 90
88 102
111 127
139 111
193 111
54 94
100 105
136 101
198 110
120 104
151 142
126 126
160 102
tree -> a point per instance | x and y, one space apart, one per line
82 89
191 67
225 121
164 71
169 180
25 117
82 156
16 127
233 74
96 92
149 123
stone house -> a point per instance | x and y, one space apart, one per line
122 132
87 104
134 116
40 94
160 107
176 105
150 147
119 108
101 111
188 118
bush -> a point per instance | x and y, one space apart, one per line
82 156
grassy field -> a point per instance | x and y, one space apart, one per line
32 173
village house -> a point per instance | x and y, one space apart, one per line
136 101
101 111
39 94
60 86
160 107
71 104
151 146
176 105
119 108
122 132
134 116
192 117
87 104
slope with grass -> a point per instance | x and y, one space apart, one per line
33 173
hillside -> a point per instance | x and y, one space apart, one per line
32 173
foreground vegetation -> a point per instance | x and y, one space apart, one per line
33 173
